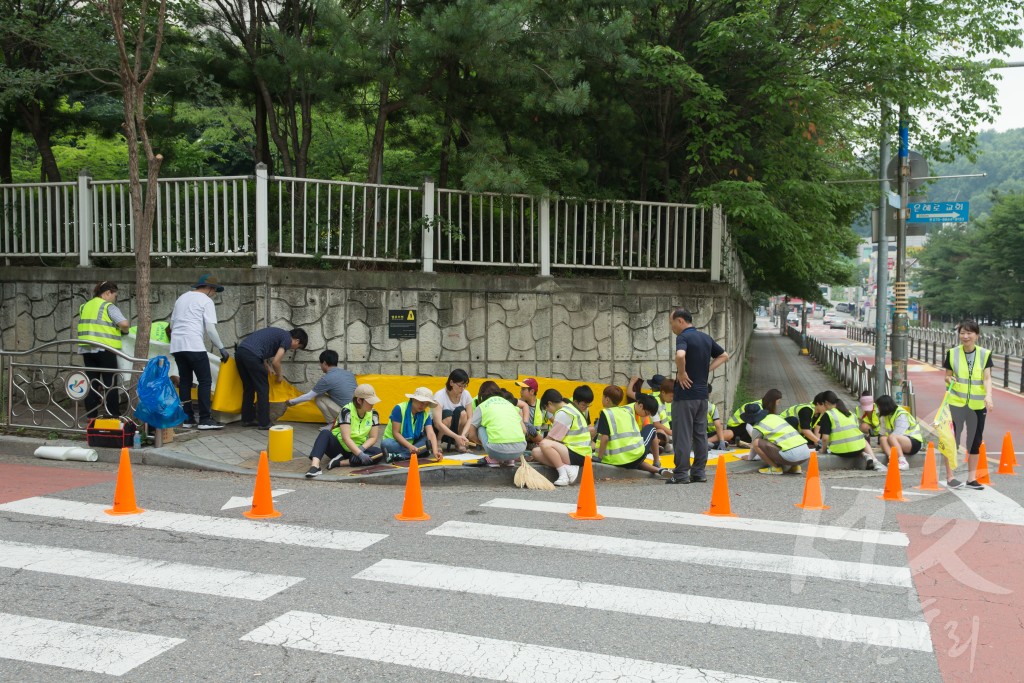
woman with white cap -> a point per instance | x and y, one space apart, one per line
410 427
353 436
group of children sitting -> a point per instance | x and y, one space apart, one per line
783 438
550 429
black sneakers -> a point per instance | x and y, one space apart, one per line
333 462
975 485
954 484
210 424
312 472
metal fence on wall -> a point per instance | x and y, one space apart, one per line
265 217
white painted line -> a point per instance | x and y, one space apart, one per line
471 656
222 527
138 571
991 506
653 550
831 533
77 646
880 491
812 623
245 501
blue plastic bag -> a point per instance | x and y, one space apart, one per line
159 404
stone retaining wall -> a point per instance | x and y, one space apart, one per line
598 330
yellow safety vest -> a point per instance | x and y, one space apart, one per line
846 436
913 428
779 432
577 439
736 420
872 419
417 424
968 387
664 413
502 420
359 428
157 332
95 325
712 413
624 442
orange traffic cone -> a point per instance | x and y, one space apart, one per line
124 491
893 482
930 473
262 500
412 508
586 502
812 487
720 493
982 473
1008 459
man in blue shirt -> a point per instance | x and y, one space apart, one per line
697 355
268 344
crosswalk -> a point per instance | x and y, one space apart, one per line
451 572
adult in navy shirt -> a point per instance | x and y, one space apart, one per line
268 344
697 355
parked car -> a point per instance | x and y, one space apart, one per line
829 317
793 318
837 324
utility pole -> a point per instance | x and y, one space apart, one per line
900 320
882 261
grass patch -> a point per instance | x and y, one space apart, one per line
743 393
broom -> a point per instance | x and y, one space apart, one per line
529 478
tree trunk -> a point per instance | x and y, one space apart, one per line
38 125
375 172
262 152
6 133
446 143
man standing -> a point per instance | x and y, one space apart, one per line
194 316
697 356
332 391
270 343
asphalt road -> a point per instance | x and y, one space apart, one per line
485 590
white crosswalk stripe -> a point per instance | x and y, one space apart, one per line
77 646
139 571
468 655
672 552
896 633
222 527
824 532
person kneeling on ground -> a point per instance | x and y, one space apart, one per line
450 414
840 433
867 416
776 442
410 428
718 436
353 436
620 439
899 429
332 391
497 425
567 445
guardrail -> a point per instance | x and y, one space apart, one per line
42 387
929 346
284 218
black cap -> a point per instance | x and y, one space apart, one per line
655 382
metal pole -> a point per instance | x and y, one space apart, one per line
900 320
882 262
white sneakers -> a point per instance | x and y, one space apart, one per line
568 476
903 464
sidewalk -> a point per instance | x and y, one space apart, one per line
775 362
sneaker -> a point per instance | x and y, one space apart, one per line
698 480
975 485
681 480
210 424
879 467
334 462
563 479
770 470
574 473
663 471
188 425
954 484
903 464
795 469
312 472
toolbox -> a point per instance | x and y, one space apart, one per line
110 433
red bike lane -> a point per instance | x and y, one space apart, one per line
25 481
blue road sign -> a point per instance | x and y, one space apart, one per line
938 212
